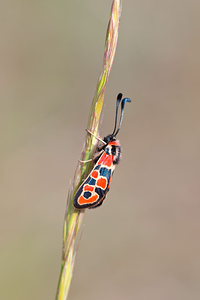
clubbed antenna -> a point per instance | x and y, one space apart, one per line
122 113
119 98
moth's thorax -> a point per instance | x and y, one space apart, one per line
113 148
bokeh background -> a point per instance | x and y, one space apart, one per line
144 242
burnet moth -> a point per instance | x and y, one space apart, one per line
95 187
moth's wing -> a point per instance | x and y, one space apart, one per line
93 190
101 201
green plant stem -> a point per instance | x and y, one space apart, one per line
73 217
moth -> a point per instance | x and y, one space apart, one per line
95 187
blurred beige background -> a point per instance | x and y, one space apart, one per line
144 242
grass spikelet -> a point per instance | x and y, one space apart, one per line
73 217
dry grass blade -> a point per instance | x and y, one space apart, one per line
73 217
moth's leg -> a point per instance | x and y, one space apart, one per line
97 137
95 157
98 153
85 161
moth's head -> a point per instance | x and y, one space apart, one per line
109 138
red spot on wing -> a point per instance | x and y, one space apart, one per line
89 188
95 174
93 198
106 160
82 200
102 158
101 182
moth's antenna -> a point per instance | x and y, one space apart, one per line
122 113
119 98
